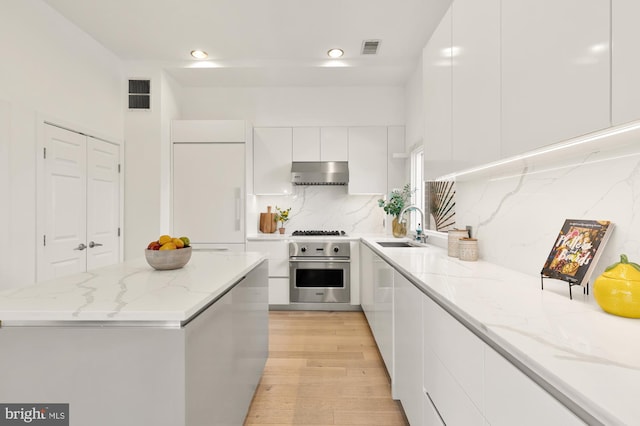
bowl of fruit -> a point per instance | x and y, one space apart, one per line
168 253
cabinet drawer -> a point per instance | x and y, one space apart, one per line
513 398
278 291
448 395
459 350
277 253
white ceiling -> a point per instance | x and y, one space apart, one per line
263 42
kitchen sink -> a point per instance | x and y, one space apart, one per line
397 244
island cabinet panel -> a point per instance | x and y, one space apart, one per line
226 349
453 366
555 64
132 373
513 398
407 343
125 376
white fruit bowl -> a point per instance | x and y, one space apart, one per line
168 259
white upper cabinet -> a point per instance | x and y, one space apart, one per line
334 144
272 155
396 177
368 160
208 131
306 144
625 61
436 70
475 56
555 71
320 144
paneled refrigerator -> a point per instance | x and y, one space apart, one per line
208 194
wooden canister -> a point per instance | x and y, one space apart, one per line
454 236
468 249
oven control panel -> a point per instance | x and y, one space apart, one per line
319 249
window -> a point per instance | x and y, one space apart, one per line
417 185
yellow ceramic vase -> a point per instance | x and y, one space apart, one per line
617 290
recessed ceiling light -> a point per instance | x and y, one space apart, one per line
335 53
199 54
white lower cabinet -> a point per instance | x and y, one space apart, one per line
278 255
512 398
452 367
441 371
376 290
407 332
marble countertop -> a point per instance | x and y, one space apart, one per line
129 292
589 356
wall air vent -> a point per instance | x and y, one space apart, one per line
370 47
140 94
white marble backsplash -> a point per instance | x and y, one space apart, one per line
516 218
322 207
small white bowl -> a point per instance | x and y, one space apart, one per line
168 259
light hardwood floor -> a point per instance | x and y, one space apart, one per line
323 369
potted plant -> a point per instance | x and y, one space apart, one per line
282 216
398 200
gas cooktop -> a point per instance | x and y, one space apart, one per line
311 233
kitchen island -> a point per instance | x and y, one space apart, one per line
492 346
129 345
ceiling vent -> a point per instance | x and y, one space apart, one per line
370 47
140 94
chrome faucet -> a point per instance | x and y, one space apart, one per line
420 235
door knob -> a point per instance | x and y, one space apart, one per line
80 247
92 244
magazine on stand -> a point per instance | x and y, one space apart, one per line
576 250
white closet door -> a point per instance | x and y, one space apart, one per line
103 203
65 171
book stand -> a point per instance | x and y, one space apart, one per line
585 289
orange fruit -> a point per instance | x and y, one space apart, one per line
168 246
164 239
178 242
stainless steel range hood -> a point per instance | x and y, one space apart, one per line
319 173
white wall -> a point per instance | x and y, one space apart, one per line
49 69
516 216
297 106
54 68
148 161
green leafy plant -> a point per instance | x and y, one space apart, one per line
282 215
398 199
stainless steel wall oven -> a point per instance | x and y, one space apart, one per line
319 272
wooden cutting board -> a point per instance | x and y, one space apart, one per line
268 222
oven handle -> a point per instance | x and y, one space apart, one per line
318 260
